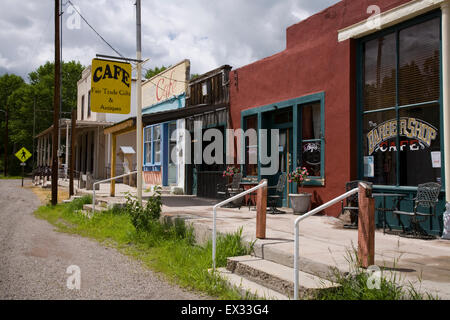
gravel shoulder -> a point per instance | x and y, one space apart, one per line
34 259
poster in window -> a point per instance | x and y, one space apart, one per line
369 169
436 159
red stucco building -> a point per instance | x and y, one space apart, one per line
344 73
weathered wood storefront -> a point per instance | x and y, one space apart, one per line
210 93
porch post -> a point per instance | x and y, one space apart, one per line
445 7
366 226
49 156
261 207
38 151
113 165
89 152
66 166
44 150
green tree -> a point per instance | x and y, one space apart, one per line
37 95
153 72
8 84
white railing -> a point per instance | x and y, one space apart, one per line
296 233
107 180
240 195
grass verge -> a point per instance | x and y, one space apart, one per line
166 248
2 177
359 284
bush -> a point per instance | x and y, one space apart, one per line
142 217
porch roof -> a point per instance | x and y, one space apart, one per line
80 125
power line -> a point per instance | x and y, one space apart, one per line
93 29
109 45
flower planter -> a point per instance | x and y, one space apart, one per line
300 202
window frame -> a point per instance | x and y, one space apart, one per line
295 104
151 144
360 95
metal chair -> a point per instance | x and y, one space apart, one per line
426 197
351 204
272 200
225 191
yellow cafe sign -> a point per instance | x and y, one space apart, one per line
110 86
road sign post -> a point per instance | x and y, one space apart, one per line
23 155
23 164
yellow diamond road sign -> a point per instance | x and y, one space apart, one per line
110 86
23 154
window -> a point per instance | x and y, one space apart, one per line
152 145
82 107
89 103
251 150
148 145
301 125
172 143
311 146
401 105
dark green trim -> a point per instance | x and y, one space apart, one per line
360 96
295 104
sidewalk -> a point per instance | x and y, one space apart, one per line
323 243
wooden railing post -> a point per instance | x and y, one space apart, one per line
366 226
261 208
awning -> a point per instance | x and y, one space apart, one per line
165 116
121 127
81 124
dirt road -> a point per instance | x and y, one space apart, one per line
34 259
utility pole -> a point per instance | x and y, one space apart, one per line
56 106
60 80
139 101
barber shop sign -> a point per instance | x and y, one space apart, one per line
419 134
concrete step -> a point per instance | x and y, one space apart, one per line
71 199
248 288
112 202
275 276
266 251
86 213
98 208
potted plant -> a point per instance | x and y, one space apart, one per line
230 172
300 201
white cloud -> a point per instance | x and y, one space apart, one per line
209 33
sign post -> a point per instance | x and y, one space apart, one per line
23 155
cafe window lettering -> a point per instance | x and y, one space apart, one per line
401 105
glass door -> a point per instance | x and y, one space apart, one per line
173 159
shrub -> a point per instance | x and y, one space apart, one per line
142 216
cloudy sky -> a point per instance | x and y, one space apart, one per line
208 32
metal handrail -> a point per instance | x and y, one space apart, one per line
296 232
106 180
240 195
